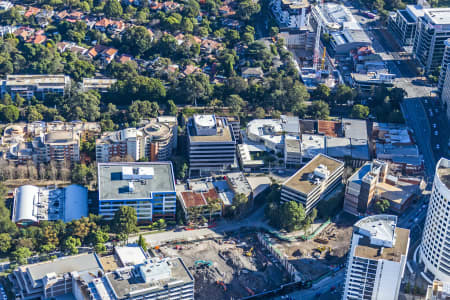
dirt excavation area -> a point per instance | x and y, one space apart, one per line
232 267
321 254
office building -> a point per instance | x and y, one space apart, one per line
127 273
360 188
155 278
438 290
51 279
292 152
434 249
367 82
313 181
34 204
28 86
147 187
433 29
444 79
212 146
377 259
291 13
155 141
403 24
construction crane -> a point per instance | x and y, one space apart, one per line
317 46
322 67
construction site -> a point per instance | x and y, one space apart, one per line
233 267
320 255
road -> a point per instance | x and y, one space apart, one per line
415 116
323 288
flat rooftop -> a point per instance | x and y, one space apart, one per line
60 137
292 145
367 250
112 186
358 175
300 180
79 263
438 16
223 135
130 285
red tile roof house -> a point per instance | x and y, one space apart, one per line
37 39
106 54
191 199
124 58
31 11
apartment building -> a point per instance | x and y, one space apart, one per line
212 146
101 85
147 187
291 13
361 186
28 86
313 181
61 146
126 273
377 259
433 29
434 248
155 141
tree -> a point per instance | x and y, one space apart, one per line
181 174
292 215
81 174
195 87
136 40
142 109
161 224
382 206
322 92
235 102
274 31
213 206
260 113
9 113
247 8
113 9
5 242
71 245
344 94
239 203
20 255
360 111
142 243
85 105
125 220
319 110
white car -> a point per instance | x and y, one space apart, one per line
437 146
436 132
434 125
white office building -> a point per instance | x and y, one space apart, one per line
433 29
377 259
434 249
313 181
212 146
444 78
